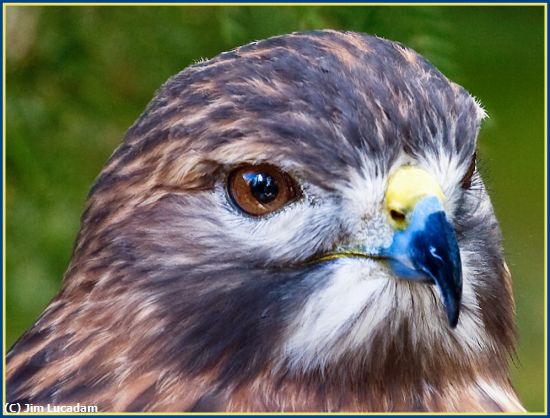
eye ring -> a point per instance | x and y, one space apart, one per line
260 189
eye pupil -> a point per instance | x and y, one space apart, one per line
262 186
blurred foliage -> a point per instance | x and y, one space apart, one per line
77 77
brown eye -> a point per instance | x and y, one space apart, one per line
466 181
260 189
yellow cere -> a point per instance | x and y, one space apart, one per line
405 188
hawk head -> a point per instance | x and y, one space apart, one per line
297 224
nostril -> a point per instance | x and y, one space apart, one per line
397 215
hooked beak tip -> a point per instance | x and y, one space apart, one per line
428 248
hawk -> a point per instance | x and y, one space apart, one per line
295 225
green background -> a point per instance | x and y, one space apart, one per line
77 77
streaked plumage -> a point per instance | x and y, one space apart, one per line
176 300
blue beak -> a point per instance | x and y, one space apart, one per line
427 250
